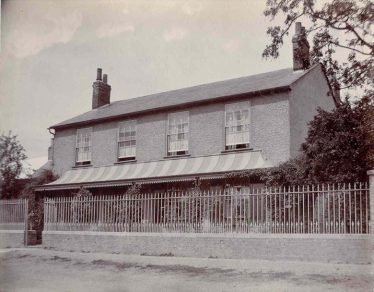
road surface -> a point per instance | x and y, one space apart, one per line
38 269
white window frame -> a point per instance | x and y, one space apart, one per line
183 146
131 139
83 148
240 139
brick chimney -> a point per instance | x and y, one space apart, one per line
301 60
101 90
50 150
335 87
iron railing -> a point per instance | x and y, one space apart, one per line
13 214
301 209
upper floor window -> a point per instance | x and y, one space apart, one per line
237 125
127 141
177 135
83 146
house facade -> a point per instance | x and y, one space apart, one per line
196 133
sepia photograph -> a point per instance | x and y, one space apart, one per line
186 145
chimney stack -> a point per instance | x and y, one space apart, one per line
301 60
335 87
101 90
50 150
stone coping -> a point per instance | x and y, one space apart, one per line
12 231
217 235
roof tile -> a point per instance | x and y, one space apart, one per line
204 92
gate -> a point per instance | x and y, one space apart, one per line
14 216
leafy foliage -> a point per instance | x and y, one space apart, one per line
82 193
337 145
132 211
343 25
365 109
339 148
12 154
193 204
286 174
244 177
133 190
81 205
36 207
129 212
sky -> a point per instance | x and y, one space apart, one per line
50 51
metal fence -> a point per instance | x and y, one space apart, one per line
14 216
303 209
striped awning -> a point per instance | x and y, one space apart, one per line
181 169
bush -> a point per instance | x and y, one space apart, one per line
36 206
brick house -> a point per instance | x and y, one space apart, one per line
172 139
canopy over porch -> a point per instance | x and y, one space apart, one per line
170 170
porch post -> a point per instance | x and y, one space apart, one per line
371 199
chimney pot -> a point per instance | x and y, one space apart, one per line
298 28
105 78
99 71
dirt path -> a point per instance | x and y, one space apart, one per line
46 270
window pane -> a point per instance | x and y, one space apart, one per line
237 123
127 139
177 132
83 145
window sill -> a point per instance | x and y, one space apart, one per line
125 161
84 165
237 150
177 156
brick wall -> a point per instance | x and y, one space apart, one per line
16 238
11 238
269 132
355 249
307 94
64 151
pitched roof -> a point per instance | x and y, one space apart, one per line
280 79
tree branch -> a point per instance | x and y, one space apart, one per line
347 26
351 48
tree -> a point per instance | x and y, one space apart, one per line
339 148
365 109
12 154
338 25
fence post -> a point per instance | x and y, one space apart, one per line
371 199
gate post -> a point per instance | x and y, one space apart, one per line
26 222
371 199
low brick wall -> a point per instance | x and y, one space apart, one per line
11 238
305 247
15 238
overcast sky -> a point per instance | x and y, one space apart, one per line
51 49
